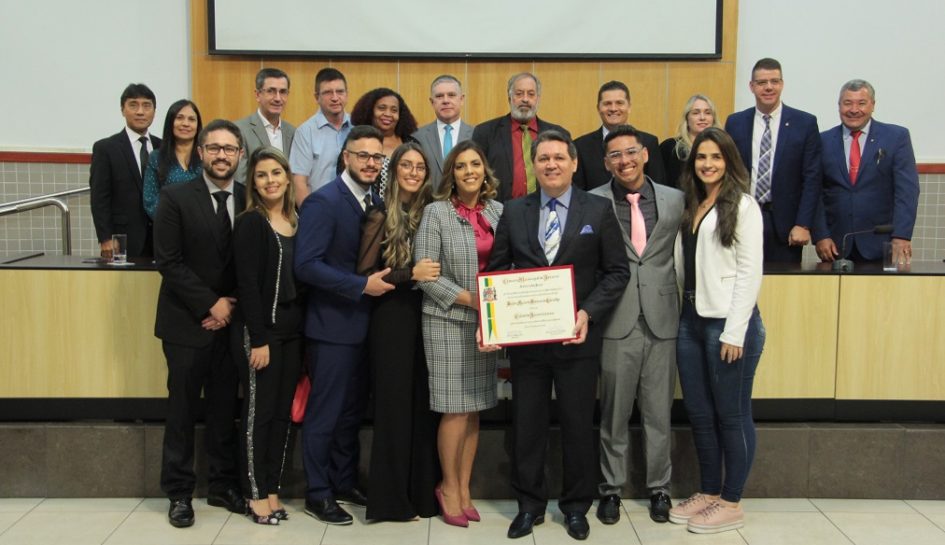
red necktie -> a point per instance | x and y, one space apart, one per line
854 156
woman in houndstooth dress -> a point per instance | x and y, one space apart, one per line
457 231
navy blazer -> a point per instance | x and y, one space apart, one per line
886 190
495 139
796 172
326 257
592 242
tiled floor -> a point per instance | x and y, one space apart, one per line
133 521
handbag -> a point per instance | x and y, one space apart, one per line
300 400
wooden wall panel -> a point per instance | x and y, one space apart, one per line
891 344
222 86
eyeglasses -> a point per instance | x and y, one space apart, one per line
364 156
215 149
765 82
629 153
273 91
419 168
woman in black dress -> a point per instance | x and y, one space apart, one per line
403 470
267 328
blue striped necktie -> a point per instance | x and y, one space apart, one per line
552 232
763 182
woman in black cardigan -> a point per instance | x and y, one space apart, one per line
267 328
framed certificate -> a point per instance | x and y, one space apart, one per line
527 306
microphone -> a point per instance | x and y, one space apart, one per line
845 265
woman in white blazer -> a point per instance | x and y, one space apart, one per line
721 336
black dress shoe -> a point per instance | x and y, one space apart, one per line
230 499
354 496
660 504
328 511
577 525
181 513
522 525
608 509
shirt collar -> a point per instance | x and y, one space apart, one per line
455 125
775 114
355 188
865 130
646 190
133 136
213 188
564 200
266 122
321 120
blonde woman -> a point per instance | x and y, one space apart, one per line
698 115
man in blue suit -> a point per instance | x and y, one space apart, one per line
336 325
867 182
781 148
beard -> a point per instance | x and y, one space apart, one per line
227 176
361 181
524 113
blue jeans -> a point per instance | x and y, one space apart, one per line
717 396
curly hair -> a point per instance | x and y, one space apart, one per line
447 189
732 185
363 111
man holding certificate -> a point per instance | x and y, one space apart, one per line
559 225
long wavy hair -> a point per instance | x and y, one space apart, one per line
254 201
363 111
168 143
732 185
447 189
403 218
683 138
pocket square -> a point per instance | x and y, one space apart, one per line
587 230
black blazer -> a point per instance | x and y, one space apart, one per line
591 242
257 260
195 262
591 172
495 139
116 198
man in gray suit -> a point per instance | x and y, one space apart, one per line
638 359
266 127
439 137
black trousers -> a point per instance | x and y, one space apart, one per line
575 385
267 402
189 371
404 466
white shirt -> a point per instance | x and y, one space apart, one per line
274 132
441 129
230 205
136 145
757 131
356 189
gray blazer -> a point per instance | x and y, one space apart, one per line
429 139
652 283
254 136
449 239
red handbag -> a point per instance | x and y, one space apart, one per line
300 400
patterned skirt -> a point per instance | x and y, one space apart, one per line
462 379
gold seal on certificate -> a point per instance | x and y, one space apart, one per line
527 306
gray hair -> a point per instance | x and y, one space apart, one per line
446 78
521 75
855 85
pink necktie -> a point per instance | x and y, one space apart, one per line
637 225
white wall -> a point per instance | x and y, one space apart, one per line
66 62
821 44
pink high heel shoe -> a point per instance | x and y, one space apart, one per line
472 514
453 520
